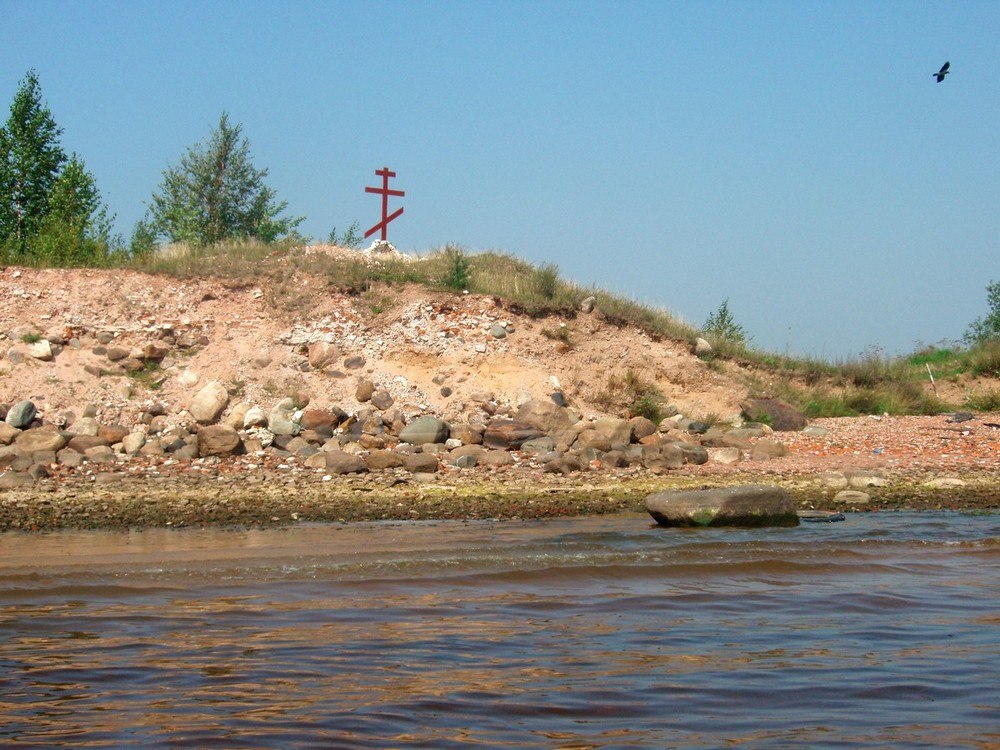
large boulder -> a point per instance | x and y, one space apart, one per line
425 430
81 443
8 433
508 434
617 431
281 419
322 354
339 462
20 415
33 441
218 440
641 428
467 433
744 505
662 457
209 402
421 463
545 415
383 459
113 433
779 415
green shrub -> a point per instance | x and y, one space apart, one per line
457 269
632 396
547 276
722 325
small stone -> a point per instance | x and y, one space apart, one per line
832 479
21 415
364 392
209 402
863 479
854 497
382 400
354 363
588 304
702 348
727 455
41 350
945 483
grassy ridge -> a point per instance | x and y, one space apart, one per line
870 384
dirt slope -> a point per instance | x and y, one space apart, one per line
431 351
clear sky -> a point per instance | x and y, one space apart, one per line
796 158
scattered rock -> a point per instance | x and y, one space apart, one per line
833 479
729 455
383 459
32 441
321 354
21 415
764 450
587 305
218 440
339 462
702 348
382 400
945 483
508 434
8 433
854 497
209 402
41 350
364 392
354 363
421 463
281 419
425 430
255 417
545 415
12 480
859 479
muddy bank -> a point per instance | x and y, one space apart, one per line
235 501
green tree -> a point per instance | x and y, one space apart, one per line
987 329
216 193
721 323
30 158
77 229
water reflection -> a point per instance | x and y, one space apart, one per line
579 633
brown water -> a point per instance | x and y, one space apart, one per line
600 632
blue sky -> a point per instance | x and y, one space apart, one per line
796 158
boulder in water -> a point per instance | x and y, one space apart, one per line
744 505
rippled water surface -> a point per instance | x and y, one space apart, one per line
582 633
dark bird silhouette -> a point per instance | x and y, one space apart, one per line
942 73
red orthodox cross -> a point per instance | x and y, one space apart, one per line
385 192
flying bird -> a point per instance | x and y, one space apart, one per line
942 73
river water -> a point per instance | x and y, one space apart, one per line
602 632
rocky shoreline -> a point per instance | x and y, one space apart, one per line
103 502
242 466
